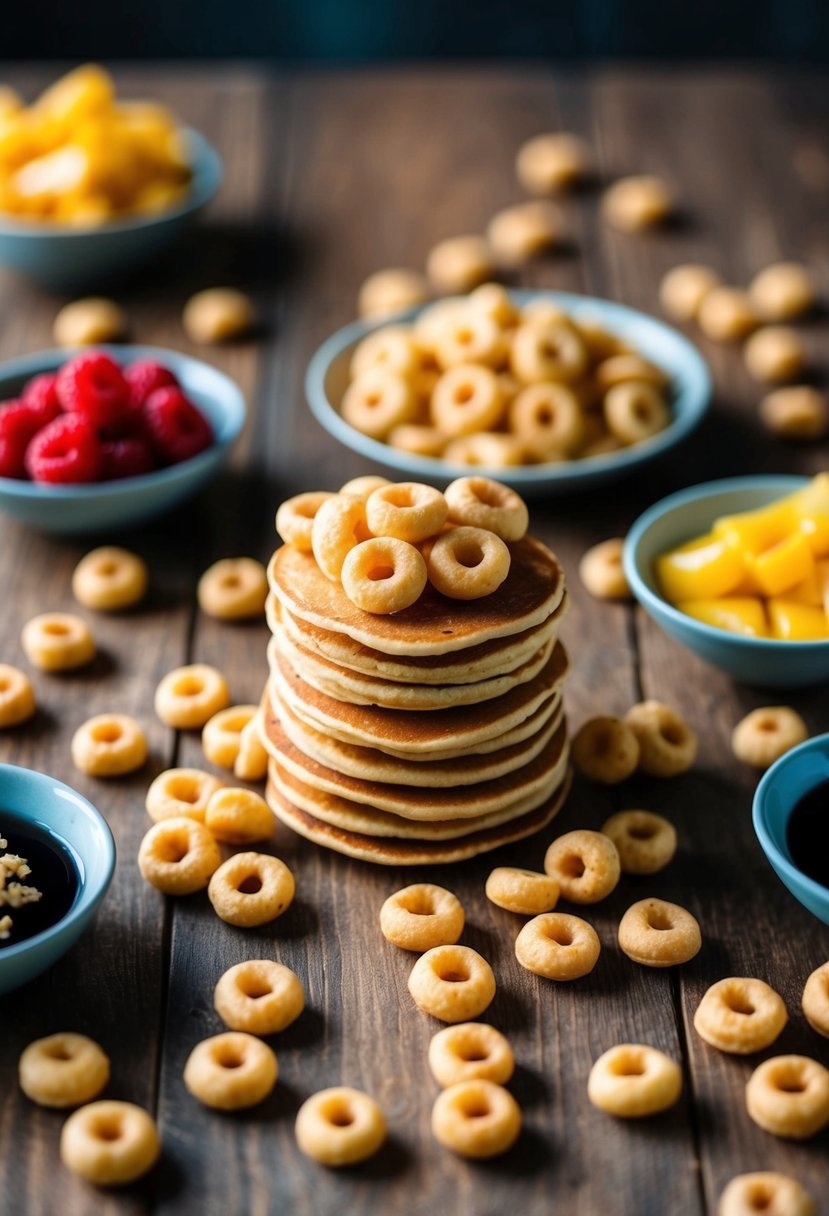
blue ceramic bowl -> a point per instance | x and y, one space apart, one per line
68 259
112 505
56 807
781 788
763 662
327 379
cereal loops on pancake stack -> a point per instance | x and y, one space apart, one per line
413 711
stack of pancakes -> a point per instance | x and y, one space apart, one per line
429 735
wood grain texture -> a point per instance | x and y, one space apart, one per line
330 176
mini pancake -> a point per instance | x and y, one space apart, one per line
373 765
415 802
462 729
390 851
352 817
529 594
360 689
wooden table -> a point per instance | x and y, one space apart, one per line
329 177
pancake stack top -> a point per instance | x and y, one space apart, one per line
428 735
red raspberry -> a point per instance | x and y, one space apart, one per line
41 395
177 429
67 450
16 421
144 376
93 386
128 457
12 454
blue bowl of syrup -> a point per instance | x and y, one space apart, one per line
791 819
70 856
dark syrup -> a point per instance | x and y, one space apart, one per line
54 872
807 834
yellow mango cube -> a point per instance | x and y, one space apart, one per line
737 614
57 173
83 91
822 575
755 531
793 622
704 568
809 592
782 566
811 506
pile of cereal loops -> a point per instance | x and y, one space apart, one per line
383 542
14 893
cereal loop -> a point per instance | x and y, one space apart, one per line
17 697
476 1119
251 889
635 410
340 1126
800 412
547 350
789 1097
656 933
259 997
764 1191
783 291
467 563
558 946
740 1015
470 336
548 164
233 589
644 841
667 745
377 401
338 526
63 1070
251 763
384 575
222 734
459 263
547 418
178 856
486 450
470 1051
765 735
452 983
231 1071
109 1143
391 348
89 321
421 917
295 518
523 891
621 369
466 399
407 511
109 745
815 1001
585 864
109 578
684 288
518 234
632 1081
362 487
180 792
479 502
494 301
602 573
189 696
635 203
57 641
391 291
419 440
606 750
726 314
238 816
218 314
775 354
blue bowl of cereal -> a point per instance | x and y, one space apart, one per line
48 899
550 392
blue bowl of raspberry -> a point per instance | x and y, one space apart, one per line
110 436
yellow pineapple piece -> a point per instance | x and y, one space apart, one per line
754 531
85 90
744 615
782 566
811 506
793 622
701 569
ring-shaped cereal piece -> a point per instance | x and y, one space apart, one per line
645 842
789 1097
17 697
178 856
632 1081
485 450
63 1070
362 487
221 735
470 336
547 350
635 203
466 399
797 412
388 292
295 518
774 354
180 792
667 745
109 1143
520 233
656 933
727 314
109 578
378 401
452 983
391 348
233 589
238 816
547 418
340 1126
339 525
251 889
459 263
470 1051
740 1015
523 891
602 573
231 1071
768 1192
467 563
635 410
605 749
783 291
476 1119
620 368
57 641
683 289
259 997
493 300
422 916
585 865
251 763
188 697
417 439
407 511
765 735
815 1002
558 946
384 575
109 745
550 164
480 502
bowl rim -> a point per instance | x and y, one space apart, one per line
47 360
208 173
758 817
650 600
696 385
88 897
